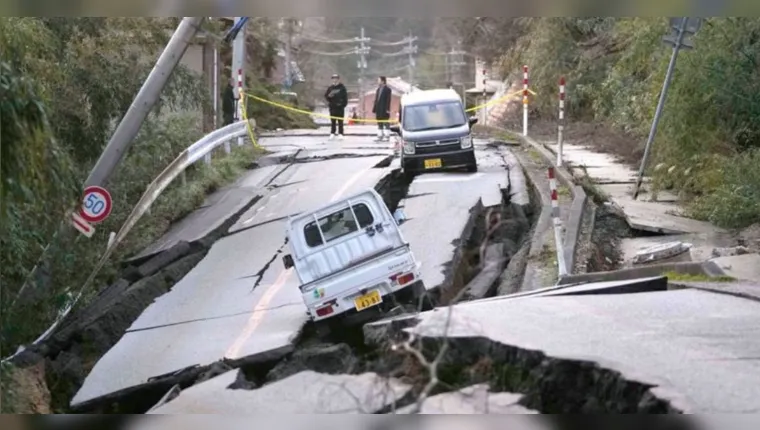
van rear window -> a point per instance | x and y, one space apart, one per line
338 224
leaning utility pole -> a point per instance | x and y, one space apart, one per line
125 132
685 26
238 74
362 50
144 102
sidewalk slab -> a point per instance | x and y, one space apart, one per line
616 179
745 267
303 393
660 217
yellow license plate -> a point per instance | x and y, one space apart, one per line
368 300
434 163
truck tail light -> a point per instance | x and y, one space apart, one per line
324 310
405 279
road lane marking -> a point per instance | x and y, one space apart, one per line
258 313
258 211
350 182
262 306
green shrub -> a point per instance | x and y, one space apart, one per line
615 68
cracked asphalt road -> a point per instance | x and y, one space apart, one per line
239 301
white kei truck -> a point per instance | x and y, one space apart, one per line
352 260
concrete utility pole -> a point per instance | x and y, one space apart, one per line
678 43
411 50
288 43
209 78
144 102
362 50
238 74
457 62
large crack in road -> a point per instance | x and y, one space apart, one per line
470 231
488 237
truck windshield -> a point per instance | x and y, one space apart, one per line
337 224
433 116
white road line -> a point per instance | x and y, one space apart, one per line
249 220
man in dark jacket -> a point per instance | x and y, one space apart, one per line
337 99
228 104
382 109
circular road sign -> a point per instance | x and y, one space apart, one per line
96 205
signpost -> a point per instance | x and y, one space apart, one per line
96 206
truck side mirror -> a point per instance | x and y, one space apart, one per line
395 128
473 121
287 261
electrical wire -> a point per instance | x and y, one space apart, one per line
351 51
404 41
404 51
334 41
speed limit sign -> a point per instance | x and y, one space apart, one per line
96 205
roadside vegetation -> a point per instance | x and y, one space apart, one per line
707 148
66 82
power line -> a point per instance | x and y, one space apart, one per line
344 53
403 41
335 41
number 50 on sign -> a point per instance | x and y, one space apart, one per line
96 205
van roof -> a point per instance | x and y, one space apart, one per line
427 96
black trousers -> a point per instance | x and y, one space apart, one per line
335 123
383 121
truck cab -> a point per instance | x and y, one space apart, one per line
435 132
351 259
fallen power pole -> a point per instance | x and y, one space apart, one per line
127 130
144 102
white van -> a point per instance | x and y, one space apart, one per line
351 259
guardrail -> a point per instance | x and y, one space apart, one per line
200 149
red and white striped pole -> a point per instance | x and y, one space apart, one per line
559 243
561 122
525 100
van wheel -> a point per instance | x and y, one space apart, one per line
472 168
408 175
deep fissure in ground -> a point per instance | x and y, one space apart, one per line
347 352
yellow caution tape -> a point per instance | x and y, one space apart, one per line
321 115
244 109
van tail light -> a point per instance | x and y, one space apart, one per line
324 310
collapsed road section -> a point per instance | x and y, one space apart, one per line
238 302
458 217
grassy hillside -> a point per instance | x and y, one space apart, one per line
66 82
708 142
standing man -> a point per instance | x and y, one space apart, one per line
382 109
337 99
228 103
